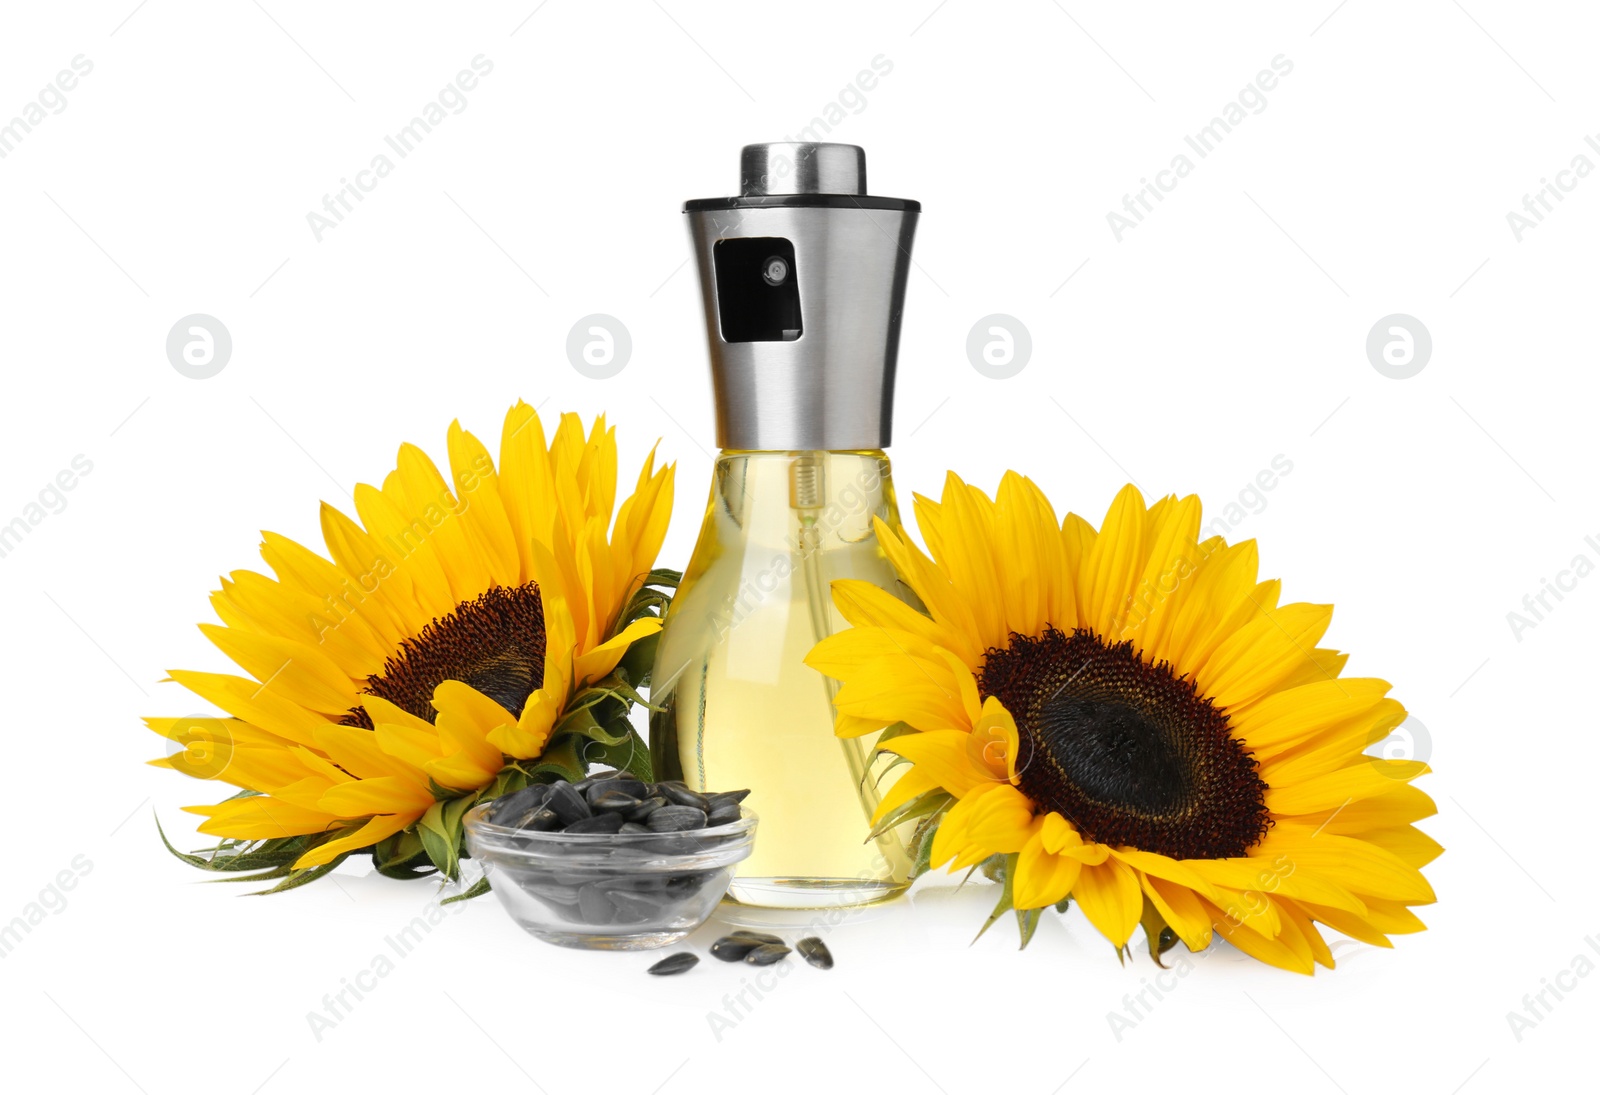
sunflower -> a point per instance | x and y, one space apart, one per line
1130 720
463 637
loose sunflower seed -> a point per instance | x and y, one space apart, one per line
731 948
675 963
816 952
766 954
758 937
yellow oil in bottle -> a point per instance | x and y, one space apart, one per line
740 707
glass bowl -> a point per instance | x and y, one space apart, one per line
608 891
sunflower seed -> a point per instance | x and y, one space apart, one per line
633 788
552 892
766 954
594 906
567 803
646 807
682 796
676 819
542 820
632 827
598 823
613 800
733 949
725 814
511 809
754 936
675 963
635 908
687 883
816 952
725 798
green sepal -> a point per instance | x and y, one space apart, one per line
1061 906
921 848
261 876
508 780
477 889
273 853
650 599
398 856
637 663
1158 937
889 733
1027 924
561 759
309 874
610 687
440 832
264 853
929 802
1006 871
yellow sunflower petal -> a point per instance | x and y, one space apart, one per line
260 817
1181 909
942 756
1111 898
596 663
374 830
1043 878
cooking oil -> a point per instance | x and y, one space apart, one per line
741 707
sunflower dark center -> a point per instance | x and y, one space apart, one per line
494 643
1127 751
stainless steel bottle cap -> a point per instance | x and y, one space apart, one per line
803 276
795 167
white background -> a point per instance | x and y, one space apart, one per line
1225 330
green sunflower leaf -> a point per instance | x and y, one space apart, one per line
584 723
477 889
631 755
560 760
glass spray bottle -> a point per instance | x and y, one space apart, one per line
803 277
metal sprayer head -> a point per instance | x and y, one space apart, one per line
803 276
